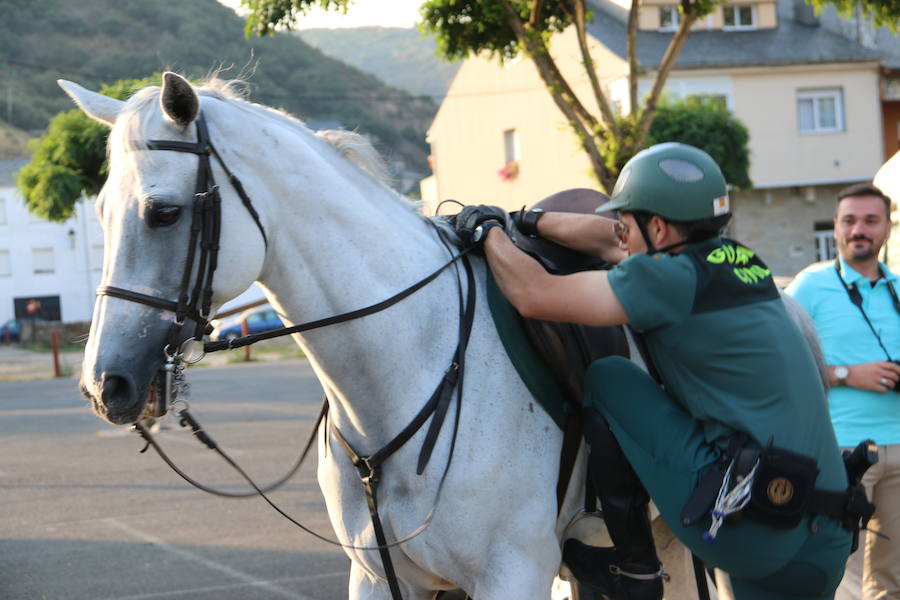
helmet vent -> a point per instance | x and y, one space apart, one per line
681 170
620 183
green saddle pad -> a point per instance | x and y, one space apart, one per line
535 373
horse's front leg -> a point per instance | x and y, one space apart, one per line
518 571
363 586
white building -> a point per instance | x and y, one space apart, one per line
58 264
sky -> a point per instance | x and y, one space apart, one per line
362 13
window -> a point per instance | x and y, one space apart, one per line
5 265
510 145
2 211
669 18
825 248
820 111
511 154
97 257
740 16
42 260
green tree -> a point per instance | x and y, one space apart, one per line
506 28
882 12
69 161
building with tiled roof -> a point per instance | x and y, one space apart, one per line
809 96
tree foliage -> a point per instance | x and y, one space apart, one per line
69 161
505 29
882 12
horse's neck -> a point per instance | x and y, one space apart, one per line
341 242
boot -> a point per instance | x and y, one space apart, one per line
630 570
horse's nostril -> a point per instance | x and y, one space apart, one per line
117 391
113 387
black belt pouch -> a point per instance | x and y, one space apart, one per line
782 487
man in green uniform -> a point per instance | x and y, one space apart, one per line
738 376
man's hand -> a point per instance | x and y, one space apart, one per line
878 376
471 218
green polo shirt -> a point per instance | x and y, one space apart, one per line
847 340
726 349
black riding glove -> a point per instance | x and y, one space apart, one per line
471 218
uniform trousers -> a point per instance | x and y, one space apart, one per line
667 449
874 572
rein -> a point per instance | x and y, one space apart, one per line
196 304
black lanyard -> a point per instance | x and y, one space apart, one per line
857 299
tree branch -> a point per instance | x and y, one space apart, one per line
633 66
602 101
540 55
665 67
582 122
535 19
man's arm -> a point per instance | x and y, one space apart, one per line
585 297
877 376
590 234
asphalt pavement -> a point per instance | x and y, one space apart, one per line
86 516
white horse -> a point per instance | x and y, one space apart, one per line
338 239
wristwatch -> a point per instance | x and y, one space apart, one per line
841 373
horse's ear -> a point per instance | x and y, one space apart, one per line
178 99
96 106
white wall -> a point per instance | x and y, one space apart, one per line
765 100
77 257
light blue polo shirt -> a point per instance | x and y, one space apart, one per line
847 340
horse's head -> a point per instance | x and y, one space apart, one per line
148 208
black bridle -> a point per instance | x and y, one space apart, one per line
194 302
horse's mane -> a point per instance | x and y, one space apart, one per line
130 128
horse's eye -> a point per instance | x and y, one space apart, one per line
163 216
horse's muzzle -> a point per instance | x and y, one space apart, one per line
114 397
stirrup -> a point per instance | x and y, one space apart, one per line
597 569
661 574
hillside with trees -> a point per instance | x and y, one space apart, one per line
403 58
97 42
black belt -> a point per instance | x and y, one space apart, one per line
781 496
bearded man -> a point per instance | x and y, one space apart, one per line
854 304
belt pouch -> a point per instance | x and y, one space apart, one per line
781 489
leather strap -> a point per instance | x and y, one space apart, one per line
117 292
528 224
369 467
347 316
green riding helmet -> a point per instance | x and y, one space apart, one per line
675 181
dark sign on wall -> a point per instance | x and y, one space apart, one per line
38 307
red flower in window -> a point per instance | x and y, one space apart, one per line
509 171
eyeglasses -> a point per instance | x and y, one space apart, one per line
621 230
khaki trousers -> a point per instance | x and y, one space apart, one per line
873 572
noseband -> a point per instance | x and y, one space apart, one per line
194 299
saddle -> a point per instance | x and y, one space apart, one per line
569 348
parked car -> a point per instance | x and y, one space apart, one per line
257 321
11 326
